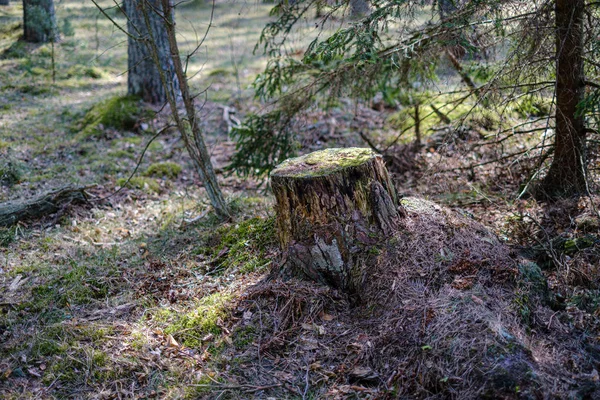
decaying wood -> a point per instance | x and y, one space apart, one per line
332 207
14 211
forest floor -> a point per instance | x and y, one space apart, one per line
142 292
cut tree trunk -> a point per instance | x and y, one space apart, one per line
50 203
332 207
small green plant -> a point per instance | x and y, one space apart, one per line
10 173
532 106
67 28
7 236
18 49
262 142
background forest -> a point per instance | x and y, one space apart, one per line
140 250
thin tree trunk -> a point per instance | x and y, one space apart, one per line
143 77
567 174
417 142
194 144
39 21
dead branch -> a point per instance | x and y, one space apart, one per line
14 211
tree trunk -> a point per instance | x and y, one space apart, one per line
567 173
143 77
195 144
332 206
359 8
39 21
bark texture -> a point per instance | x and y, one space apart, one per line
39 21
332 206
144 24
567 173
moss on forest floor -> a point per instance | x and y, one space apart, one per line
120 113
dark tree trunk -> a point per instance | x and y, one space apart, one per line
332 206
143 77
567 174
39 21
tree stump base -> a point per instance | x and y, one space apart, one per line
332 207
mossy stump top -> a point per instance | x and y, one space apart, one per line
322 163
332 205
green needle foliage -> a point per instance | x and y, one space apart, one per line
384 52
501 51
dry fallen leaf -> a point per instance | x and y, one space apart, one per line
327 317
171 342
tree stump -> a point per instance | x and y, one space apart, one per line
332 207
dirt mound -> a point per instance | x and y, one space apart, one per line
447 311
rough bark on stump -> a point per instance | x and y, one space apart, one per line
332 205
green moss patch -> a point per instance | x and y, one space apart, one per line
169 170
323 162
243 246
84 71
204 319
117 112
144 183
